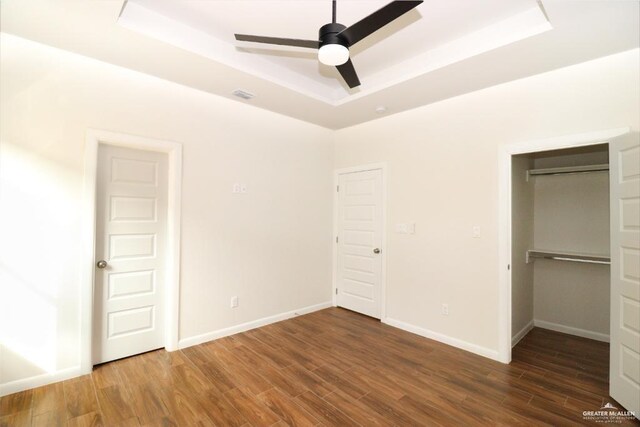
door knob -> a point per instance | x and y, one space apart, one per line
376 251
101 264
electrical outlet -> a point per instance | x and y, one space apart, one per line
475 232
236 188
234 302
445 309
243 188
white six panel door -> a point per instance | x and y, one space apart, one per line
131 210
624 375
359 263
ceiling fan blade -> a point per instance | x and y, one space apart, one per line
377 20
313 44
348 73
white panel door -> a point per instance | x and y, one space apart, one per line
624 375
131 222
359 263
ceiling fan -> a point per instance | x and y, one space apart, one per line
334 39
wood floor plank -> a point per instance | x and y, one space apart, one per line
16 402
49 398
50 419
237 369
253 410
336 378
80 397
221 411
219 377
17 419
91 419
309 380
280 378
114 404
147 402
183 405
288 411
485 413
392 410
133 369
334 368
367 381
355 409
161 422
319 408
105 375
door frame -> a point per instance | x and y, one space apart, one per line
505 154
173 150
383 274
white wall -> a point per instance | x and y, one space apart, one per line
270 247
443 172
521 241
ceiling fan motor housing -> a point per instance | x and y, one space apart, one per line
329 34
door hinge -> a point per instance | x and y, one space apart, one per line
336 291
336 239
337 188
508 266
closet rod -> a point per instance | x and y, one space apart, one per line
568 169
568 256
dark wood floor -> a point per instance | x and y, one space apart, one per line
331 367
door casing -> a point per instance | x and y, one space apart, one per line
384 251
172 263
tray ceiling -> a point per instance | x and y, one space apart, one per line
441 49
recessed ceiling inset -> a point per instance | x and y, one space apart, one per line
419 42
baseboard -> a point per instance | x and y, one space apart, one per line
210 336
39 380
571 330
454 342
524 331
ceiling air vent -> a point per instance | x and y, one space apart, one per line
242 94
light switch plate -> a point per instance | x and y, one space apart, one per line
475 232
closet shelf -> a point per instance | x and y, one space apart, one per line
568 256
568 169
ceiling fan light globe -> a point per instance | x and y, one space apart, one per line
333 54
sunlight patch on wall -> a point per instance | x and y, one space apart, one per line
34 252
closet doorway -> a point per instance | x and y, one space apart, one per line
573 258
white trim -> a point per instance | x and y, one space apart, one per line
385 248
504 215
504 256
220 333
521 334
39 380
174 152
598 336
454 342
566 141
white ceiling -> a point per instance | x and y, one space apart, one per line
443 48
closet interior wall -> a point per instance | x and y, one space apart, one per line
561 213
